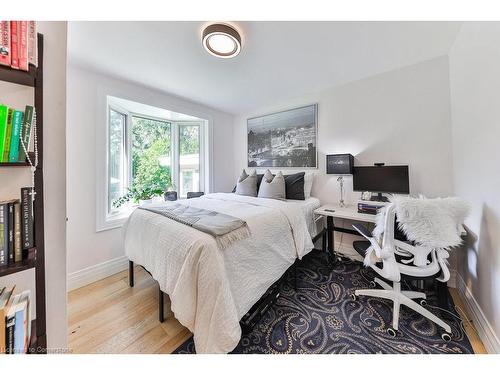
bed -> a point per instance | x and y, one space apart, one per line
211 288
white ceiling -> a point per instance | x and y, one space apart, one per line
279 60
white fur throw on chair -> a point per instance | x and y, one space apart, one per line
433 223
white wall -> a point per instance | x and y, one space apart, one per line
86 126
54 143
399 117
475 109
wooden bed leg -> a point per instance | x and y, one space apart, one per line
130 273
161 306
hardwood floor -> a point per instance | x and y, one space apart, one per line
110 317
470 330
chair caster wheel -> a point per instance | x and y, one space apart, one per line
373 284
354 297
423 303
392 332
446 337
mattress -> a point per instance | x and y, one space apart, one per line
211 289
307 207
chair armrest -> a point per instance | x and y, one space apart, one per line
363 230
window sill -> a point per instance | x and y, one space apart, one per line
114 221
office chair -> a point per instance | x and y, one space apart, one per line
419 259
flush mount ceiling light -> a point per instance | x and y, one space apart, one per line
221 40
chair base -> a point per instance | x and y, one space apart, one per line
399 297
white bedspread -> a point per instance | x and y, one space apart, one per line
211 289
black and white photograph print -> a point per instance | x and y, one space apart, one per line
284 139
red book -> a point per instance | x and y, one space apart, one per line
32 43
5 43
23 45
14 44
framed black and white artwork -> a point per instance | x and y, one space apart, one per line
286 139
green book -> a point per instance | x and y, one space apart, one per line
17 123
8 134
25 134
4 110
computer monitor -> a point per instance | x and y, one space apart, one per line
382 179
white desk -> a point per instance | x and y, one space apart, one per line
337 212
348 212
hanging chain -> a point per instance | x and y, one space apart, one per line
25 149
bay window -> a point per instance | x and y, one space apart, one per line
149 149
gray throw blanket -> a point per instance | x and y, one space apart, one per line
224 228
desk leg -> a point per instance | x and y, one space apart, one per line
329 233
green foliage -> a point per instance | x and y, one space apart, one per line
150 142
189 140
149 171
137 194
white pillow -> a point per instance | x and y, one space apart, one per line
247 184
308 183
272 187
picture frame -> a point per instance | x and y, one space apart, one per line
285 139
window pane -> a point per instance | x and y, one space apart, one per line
189 158
151 153
116 166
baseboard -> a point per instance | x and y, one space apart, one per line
97 272
483 327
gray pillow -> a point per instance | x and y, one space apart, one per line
247 184
272 187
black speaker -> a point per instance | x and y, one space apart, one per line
339 164
170 195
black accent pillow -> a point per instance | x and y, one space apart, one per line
294 186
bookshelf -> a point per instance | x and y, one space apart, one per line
36 257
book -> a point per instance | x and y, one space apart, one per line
23 45
8 135
17 123
18 248
25 134
14 44
10 324
10 231
5 43
4 234
27 218
5 304
20 310
4 111
32 43
25 304
9 334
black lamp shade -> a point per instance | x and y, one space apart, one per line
339 164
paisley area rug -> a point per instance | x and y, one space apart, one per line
321 317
